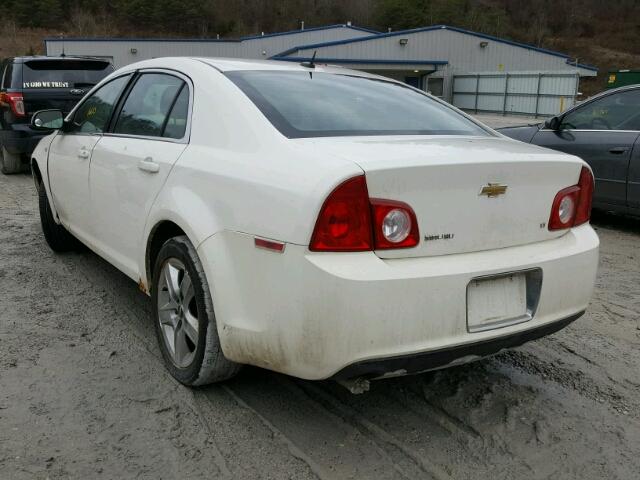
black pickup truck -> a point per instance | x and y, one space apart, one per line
29 84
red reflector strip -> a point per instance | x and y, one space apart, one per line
269 245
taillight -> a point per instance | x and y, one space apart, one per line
344 223
15 102
351 222
572 205
586 184
395 224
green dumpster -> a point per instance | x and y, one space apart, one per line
621 78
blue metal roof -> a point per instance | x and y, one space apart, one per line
235 40
428 29
313 29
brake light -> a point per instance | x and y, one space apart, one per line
344 223
15 102
572 206
586 184
351 222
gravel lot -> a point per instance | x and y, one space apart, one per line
84 395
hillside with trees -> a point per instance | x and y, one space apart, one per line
605 34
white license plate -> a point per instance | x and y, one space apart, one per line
496 302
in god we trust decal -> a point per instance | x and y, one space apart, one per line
45 84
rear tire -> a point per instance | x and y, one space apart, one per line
57 237
10 163
183 312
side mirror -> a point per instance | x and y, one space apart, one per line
47 120
552 123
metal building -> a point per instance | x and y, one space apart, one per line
472 70
123 51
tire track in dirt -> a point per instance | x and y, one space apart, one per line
336 447
443 444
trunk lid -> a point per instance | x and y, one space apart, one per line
443 180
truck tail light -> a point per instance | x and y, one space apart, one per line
572 205
15 102
349 221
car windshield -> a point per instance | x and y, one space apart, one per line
64 73
312 104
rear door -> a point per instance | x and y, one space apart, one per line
59 83
132 161
602 132
70 156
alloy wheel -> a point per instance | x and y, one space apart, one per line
178 312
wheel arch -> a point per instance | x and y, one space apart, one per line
162 231
36 173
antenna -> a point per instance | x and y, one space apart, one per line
312 62
62 38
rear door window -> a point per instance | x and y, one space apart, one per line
176 125
147 107
37 74
12 78
6 77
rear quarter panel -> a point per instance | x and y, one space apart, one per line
240 174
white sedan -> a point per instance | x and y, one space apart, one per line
315 221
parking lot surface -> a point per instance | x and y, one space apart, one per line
83 393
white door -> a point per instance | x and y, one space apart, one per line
70 157
131 163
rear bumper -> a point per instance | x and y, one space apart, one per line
20 139
446 357
315 315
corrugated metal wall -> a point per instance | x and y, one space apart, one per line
465 53
457 54
120 50
525 93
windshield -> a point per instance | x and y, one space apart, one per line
64 73
310 104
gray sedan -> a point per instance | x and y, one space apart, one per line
605 132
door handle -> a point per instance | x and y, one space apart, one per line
618 150
84 153
148 165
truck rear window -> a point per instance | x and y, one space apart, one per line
64 73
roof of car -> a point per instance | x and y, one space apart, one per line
230 64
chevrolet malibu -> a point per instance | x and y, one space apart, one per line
315 221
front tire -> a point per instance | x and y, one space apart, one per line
57 237
10 163
185 323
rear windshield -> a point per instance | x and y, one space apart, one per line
310 104
64 73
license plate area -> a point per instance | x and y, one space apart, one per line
498 301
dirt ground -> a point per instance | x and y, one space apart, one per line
84 395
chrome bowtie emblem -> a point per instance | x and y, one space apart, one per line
493 190
76 91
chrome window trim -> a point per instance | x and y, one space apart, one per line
186 138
